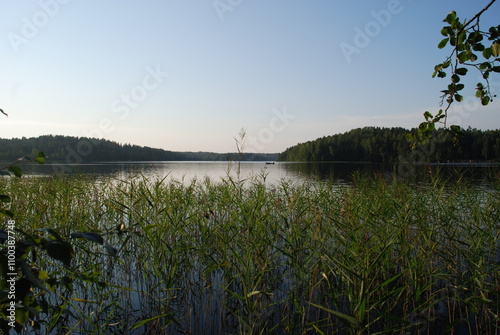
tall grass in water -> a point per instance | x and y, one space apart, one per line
378 256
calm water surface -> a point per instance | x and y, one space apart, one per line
340 172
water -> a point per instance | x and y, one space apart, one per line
202 308
339 172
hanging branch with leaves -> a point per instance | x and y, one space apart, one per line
472 48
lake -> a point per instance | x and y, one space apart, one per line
216 258
339 172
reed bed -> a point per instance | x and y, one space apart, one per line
245 257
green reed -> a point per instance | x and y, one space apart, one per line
375 256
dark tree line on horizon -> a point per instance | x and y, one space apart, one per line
387 145
69 149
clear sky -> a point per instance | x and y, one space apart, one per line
187 75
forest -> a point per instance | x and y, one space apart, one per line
70 150
386 145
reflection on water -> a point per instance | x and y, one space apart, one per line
341 172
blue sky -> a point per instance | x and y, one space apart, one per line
187 75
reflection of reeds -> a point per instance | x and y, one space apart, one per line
211 258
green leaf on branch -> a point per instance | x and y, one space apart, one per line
462 37
443 43
484 66
450 18
457 130
446 31
62 251
16 171
495 49
40 158
462 71
487 53
463 56
4 198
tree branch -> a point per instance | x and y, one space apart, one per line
479 14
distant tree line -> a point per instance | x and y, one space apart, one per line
385 145
69 149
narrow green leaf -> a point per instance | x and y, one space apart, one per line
390 280
112 251
143 322
89 236
252 293
343 316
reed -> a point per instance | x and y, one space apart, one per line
376 256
